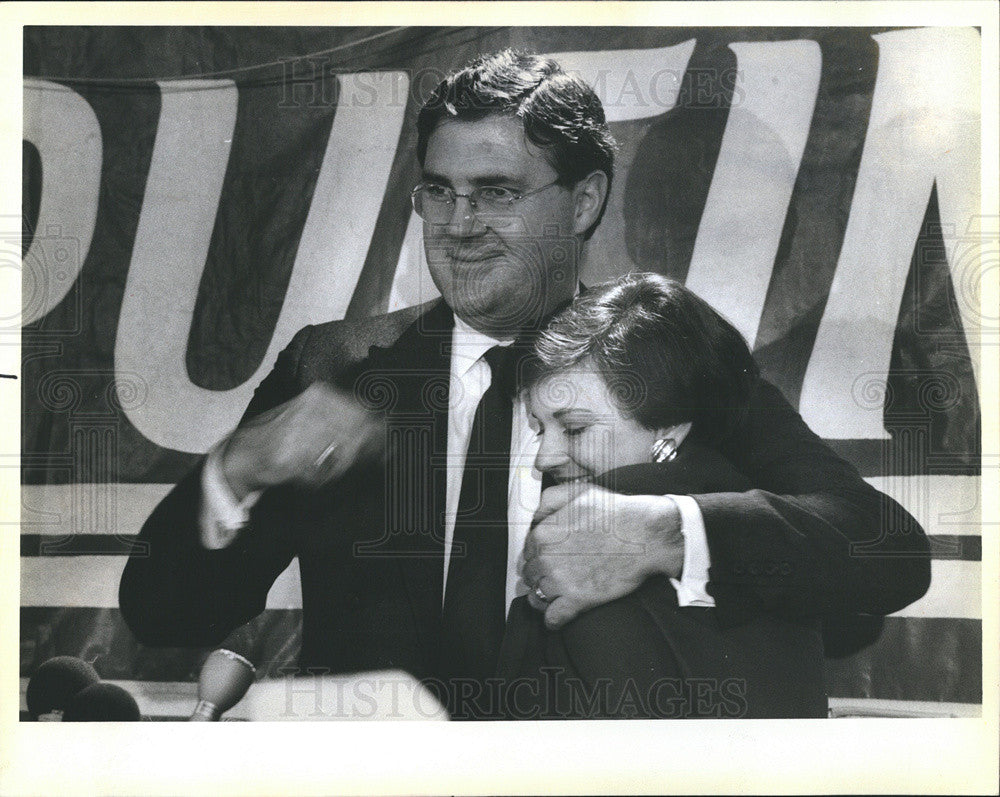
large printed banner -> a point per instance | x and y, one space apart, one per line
192 197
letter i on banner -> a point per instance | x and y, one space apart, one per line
754 177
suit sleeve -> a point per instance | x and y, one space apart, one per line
173 591
812 537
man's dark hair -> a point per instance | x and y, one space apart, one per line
667 356
560 113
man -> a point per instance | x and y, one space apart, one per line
410 559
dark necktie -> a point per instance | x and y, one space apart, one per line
474 612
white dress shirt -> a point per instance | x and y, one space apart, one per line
222 515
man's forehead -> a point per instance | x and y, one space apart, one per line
482 151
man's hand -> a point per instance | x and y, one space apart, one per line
310 440
589 546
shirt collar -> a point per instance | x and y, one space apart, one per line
469 345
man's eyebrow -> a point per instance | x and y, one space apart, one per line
498 178
431 177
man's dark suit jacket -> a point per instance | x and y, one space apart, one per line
644 656
811 538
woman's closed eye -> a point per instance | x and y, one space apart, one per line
569 431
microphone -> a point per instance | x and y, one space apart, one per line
225 678
102 702
55 683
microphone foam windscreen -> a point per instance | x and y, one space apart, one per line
225 678
102 702
55 682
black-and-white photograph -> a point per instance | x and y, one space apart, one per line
504 376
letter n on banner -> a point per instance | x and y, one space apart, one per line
923 131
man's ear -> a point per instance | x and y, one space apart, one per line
677 432
588 197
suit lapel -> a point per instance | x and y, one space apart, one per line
416 371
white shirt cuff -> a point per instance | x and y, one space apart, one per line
222 516
691 587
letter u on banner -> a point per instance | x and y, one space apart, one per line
175 227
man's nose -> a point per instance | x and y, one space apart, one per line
552 453
464 222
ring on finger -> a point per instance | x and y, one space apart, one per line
541 595
327 453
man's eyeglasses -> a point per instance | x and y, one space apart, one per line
491 204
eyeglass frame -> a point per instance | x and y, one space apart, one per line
517 196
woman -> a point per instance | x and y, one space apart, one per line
633 387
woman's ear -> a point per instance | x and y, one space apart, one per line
677 432
588 197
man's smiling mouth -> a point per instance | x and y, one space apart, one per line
472 255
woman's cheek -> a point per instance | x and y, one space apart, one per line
587 452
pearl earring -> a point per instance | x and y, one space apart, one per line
664 449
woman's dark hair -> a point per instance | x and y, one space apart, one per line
666 355
560 113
